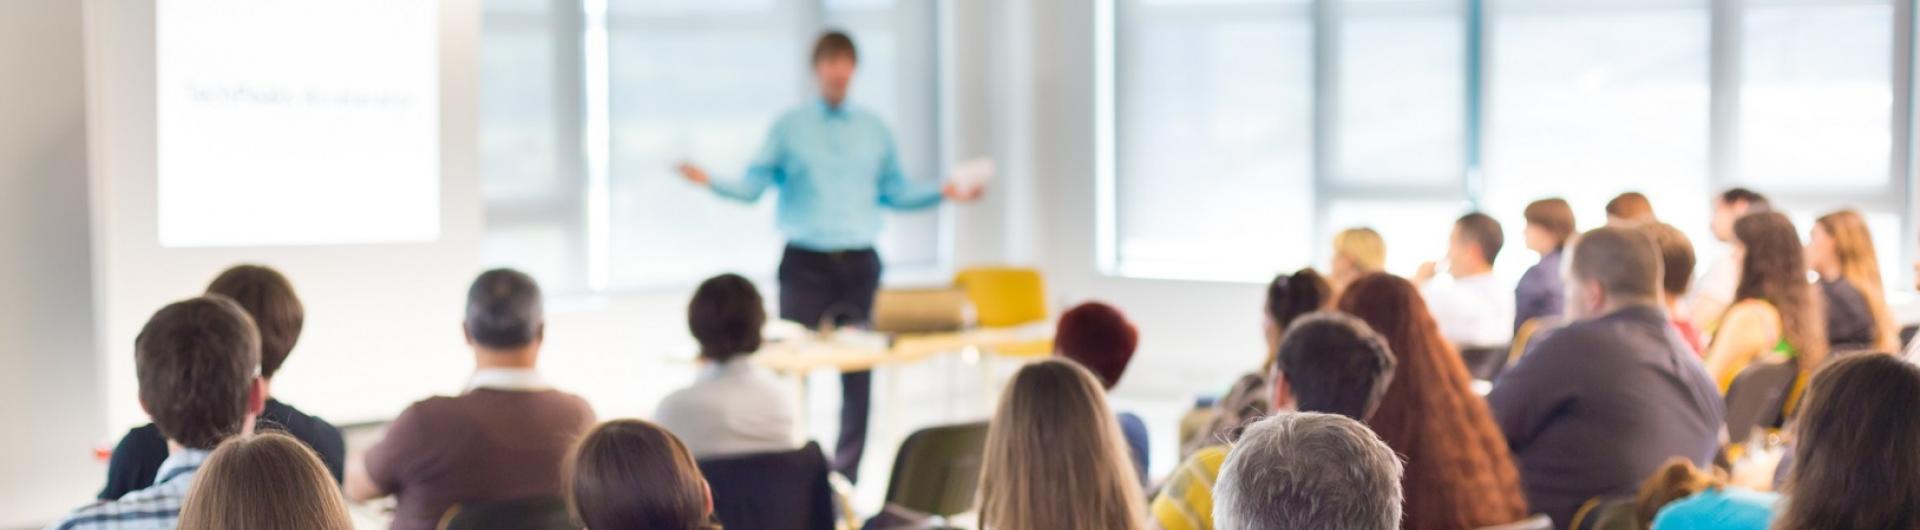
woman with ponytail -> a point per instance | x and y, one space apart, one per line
1289 296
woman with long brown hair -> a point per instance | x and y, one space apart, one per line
1460 474
1775 315
1841 252
1854 463
1055 459
634 475
265 481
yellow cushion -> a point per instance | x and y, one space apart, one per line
1004 296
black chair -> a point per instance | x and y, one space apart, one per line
772 491
1757 397
540 513
1906 334
1606 513
1485 363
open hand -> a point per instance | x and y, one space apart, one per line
962 194
693 173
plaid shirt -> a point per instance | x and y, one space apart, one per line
154 508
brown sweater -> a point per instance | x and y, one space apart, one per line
485 445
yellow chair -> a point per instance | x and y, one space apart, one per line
1005 297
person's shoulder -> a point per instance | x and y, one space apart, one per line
1717 509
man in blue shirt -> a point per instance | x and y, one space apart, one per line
837 170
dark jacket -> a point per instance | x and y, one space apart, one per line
138 457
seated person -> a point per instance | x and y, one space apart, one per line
269 299
1476 310
1053 459
1715 289
513 427
1600 404
1356 252
198 362
1841 252
1676 265
1538 297
1775 316
1099 337
1308 471
1289 296
269 481
1630 209
634 475
734 407
1329 363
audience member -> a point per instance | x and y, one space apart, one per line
1356 252
1599 404
634 475
1630 208
265 481
1854 463
734 407
1692 492
1539 295
198 364
1289 296
1307 471
1054 458
1776 316
1841 252
1714 291
1676 266
1099 337
512 426
1459 472
268 298
1475 310
1328 363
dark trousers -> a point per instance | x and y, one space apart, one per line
836 288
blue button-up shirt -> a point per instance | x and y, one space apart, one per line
837 169
155 508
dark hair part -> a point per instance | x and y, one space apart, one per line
1335 364
1484 232
1676 256
504 310
266 481
1755 201
1775 271
1857 432
726 315
268 298
1624 261
196 360
1632 206
834 43
631 474
1555 216
1099 337
1289 296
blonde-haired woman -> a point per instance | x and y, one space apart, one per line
1841 252
265 481
1055 459
1356 252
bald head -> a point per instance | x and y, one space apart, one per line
1612 267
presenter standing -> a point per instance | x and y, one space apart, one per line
836 170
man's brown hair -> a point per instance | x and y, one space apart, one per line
1632 206
833 44
196 360
1555 216
1676 256
1484 232
634 474
268 298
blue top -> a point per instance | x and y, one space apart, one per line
836 168
155 508
1539 293
1135 431
1721 509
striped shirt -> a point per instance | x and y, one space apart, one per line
157 507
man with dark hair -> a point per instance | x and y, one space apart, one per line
198 362
268 297
511 427
1630 208
1714 291
1676 274
1475 310
1596 406
1328 362
734 407
837 171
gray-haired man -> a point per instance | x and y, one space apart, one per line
1306 471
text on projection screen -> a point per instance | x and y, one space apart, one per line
295 122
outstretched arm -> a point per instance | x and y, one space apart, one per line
901 193
762 173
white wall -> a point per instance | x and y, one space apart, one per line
47 337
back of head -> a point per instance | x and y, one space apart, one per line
1054 458
1553 215
634 475
1099 337
1335 364
1631 206
504 310
1676 257
725 316
1363 246
196 360
268 297
1854 461
266 481
1754 201
1307 471
1774 270
1623 261
1291 295
1484 232
1675 480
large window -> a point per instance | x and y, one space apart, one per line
588 105
1399 114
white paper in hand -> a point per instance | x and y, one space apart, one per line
972 175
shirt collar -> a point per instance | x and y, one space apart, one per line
832 111
509 379
182 463
731 367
